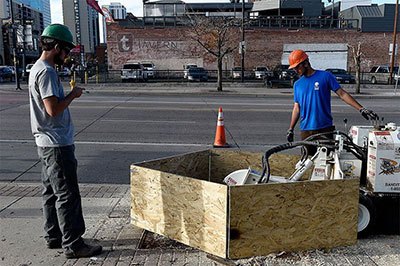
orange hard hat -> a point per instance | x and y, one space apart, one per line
296 57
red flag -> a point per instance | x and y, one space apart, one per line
95 5
107 15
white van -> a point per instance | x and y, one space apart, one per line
133 71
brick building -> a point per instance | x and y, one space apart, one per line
170 48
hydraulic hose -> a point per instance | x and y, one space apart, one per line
265 175
314 140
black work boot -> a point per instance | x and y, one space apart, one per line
53 244
83 251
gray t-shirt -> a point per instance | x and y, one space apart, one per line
48 131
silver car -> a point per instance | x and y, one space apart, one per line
262 72
149 69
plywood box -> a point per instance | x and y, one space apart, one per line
184 198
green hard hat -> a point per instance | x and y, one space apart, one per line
59 32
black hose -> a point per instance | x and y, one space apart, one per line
286 146
329 143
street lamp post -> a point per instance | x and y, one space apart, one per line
396 13
242 44
14 37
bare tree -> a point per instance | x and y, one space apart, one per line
356 53
217 35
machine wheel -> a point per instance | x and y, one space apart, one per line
366 216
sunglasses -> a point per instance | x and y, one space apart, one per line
67 50
299 65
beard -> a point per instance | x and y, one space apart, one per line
58 60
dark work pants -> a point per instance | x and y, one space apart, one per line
62 207
307 133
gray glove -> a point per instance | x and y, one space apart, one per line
369 114
290 135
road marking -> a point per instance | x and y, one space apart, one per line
187 103
116 143
148 121
245 146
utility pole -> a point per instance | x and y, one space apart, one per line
242 43
14 37
332 11
396 14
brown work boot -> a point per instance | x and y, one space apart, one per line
83 251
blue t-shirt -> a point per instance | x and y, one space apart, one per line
313 94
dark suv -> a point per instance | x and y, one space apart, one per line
197 73
285 73
6 74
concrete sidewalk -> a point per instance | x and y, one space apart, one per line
106 210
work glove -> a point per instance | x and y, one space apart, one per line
290 135
368 114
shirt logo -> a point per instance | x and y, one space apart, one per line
316 86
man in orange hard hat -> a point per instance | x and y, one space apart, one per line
312 99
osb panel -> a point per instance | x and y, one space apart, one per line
293 216
195 165
224 162
188 210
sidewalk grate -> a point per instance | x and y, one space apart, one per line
86 190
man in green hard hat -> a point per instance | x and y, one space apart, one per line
53 131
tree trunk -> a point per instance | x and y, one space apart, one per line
358 81
219 74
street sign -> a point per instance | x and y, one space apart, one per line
242 47
391 49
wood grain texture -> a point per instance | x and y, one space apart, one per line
294 216
184 198
188 210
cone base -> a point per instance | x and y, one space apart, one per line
226 145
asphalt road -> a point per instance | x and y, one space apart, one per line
116 130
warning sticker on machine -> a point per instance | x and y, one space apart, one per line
389 167
384 140
319 172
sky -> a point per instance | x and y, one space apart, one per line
135 6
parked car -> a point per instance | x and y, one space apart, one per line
285 73
237 73
381 74
262 72
13 70
27 70
6 74
341 75
197 73
64 72
149 69
186 68
133 71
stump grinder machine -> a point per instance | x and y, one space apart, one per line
371 153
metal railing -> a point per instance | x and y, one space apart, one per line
114 76
272 22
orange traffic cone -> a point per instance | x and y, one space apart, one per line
220 141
